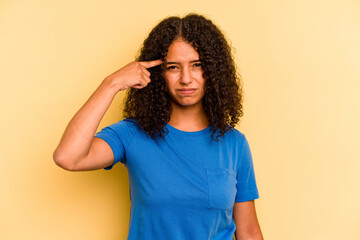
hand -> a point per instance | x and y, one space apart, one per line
133 75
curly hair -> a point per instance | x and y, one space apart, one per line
222 102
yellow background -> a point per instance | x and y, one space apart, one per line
299 60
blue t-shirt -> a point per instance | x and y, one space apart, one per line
184 186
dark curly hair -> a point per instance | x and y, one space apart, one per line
222 102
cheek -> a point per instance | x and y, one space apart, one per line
199 75
201 80
170 80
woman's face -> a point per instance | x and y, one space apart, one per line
184 75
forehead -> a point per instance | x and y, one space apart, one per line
181 51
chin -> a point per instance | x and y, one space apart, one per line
187 104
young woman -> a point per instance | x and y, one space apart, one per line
190 172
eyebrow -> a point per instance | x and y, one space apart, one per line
178 62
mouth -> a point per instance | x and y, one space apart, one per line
186 91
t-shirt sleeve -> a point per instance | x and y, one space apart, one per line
117 136
246 182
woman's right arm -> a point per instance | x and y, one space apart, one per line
78 149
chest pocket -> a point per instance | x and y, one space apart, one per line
221 188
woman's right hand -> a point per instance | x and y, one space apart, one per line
132 75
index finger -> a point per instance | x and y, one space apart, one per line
151 64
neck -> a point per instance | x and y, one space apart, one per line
188 119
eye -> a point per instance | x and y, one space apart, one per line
197 65
171 67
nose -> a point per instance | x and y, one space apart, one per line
186 77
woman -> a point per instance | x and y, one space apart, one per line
190 172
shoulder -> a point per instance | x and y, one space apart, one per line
236 139
235 135
126 128
130 123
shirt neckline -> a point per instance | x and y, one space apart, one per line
185 133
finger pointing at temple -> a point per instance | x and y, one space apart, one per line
151 64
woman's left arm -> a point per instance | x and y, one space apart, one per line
247 225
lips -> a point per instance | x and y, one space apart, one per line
186 91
